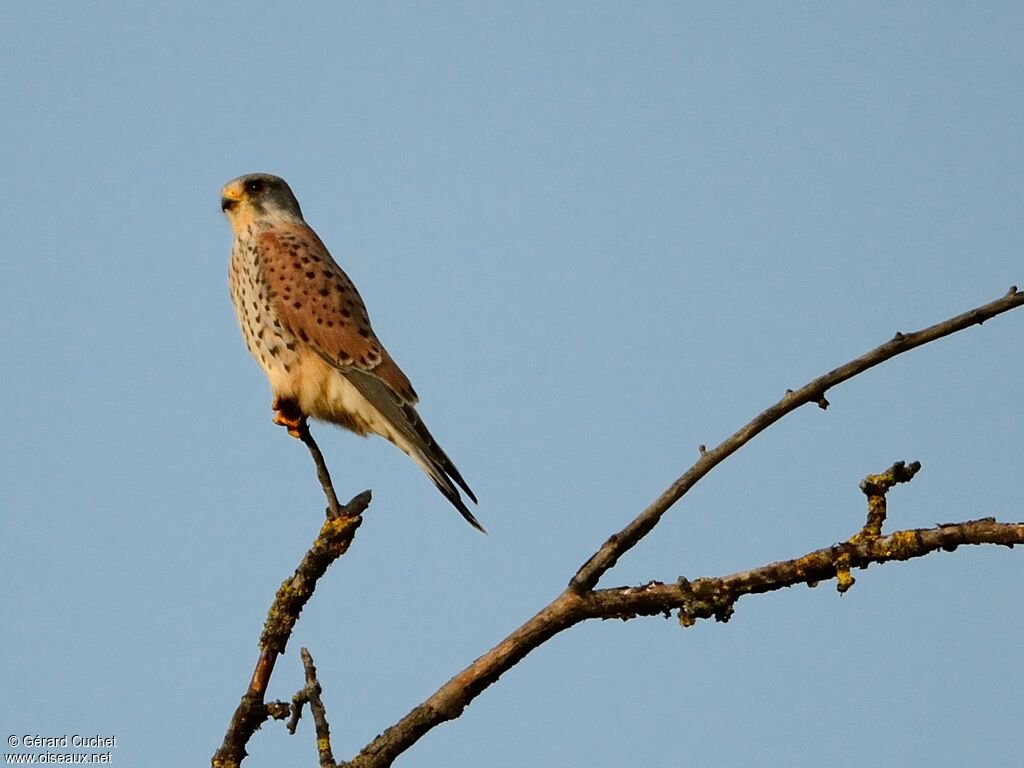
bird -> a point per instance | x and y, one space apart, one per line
305 323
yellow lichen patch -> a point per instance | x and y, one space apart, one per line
884 480
288 591
804 564
336 535
337 526
843 573
902 545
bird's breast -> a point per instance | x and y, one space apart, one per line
275 348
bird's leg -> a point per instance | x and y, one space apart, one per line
288 415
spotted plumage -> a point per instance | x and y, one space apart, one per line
306 325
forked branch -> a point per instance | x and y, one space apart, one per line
812 392
332 542
692 600
579 601
703 598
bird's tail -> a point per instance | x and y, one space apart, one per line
410 434
440 469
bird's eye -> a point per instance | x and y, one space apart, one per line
255 186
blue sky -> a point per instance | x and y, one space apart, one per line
595 236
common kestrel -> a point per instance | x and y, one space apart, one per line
306 325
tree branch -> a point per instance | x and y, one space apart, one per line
812 392
700 599
579 601
703 598
331 543
714 597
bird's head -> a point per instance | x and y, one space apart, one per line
258 196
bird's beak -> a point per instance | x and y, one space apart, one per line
230 197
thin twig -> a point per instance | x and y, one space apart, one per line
319 711
334 508
310 693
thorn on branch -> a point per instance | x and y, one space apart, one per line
702 449
822 402
1012 291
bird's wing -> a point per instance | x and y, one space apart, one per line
316 301
416 439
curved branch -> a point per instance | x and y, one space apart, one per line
578 601
451 698
700 599
812 392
